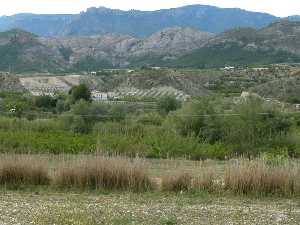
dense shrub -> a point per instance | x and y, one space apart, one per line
80 92
168 104
46 102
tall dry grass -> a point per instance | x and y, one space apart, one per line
104 173
206 181
178 182
19 170
258 176
117 173
183 181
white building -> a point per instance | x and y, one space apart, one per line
93 73
229 68
99 96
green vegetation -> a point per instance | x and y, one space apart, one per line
232 54
80 92
206 127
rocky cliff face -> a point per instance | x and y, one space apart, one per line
144 23
175 46
119 49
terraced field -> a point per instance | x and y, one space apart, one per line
39 85
154 92
181 83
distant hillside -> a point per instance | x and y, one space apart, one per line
137 23
278 42
43 25
294 18
21 51
286 89
171 47
141 24
115 50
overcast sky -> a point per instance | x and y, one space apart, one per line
275 7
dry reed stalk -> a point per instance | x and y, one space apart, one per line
258 176
104 173
23 170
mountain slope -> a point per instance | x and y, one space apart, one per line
141 24
114 50
286 89
278 42
294 18
21 51
136 23
172 47
43 25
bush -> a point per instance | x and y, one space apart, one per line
256 125
56 142
80 92
150 119
84 115
168 104
46 102
198 118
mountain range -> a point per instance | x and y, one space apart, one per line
172 47
99 38
136 23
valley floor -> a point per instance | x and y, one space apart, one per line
148 208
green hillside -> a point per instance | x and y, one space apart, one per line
21 51
232 54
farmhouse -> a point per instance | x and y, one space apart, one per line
99 96
229 68
297 106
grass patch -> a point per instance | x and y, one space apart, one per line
177 183
26 170
104 173
258 176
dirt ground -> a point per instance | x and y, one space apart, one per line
148 208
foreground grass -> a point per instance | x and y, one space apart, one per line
93 172
189 192
148 208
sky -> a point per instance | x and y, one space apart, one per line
276 7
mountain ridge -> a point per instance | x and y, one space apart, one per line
137 23
170 47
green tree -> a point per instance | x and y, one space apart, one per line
168 104
46 102
198 118
255 125
80 92
83 115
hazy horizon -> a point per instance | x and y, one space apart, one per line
281 9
